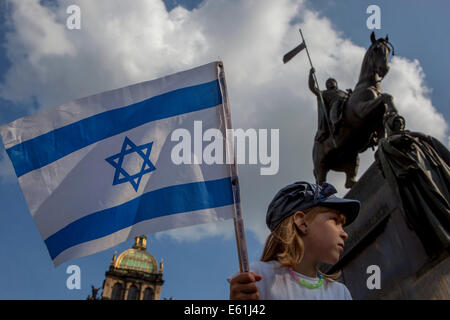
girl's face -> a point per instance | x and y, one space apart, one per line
325 236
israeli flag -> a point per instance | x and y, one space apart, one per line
98 171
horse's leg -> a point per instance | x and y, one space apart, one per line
383 103
389 108
320 170
367 107
351 169
320 174
389 101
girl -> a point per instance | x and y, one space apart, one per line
307 222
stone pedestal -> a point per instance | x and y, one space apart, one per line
381 237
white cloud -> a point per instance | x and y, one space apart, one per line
405 82
224 229
37 43
120 44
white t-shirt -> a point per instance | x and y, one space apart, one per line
278 284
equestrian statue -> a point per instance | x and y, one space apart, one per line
350 122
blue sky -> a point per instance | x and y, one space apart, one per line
196 267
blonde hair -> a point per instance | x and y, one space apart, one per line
286 246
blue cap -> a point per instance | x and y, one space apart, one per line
303 195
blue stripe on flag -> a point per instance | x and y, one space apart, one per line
158 203
47 148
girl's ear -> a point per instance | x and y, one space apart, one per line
300 221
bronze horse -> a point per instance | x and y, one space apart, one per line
362 119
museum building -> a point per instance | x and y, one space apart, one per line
133 275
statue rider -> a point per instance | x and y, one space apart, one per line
333 99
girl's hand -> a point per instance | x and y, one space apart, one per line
243 286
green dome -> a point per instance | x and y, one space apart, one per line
138 260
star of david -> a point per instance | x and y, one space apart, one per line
128 148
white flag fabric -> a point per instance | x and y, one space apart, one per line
98 171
